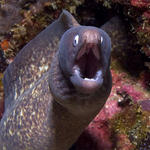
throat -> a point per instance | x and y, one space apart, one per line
88 64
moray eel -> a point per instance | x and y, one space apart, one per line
55 86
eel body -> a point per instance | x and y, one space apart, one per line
55 86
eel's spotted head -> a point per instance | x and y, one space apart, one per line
84 57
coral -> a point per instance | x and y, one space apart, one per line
124 121
28 19
4 45
3 63
137 14
1 96
145 79
131 122
145 144
140 3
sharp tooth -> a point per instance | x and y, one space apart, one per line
101 39
86 79
96 52
99 73
92 79
81 52
76 70
89 79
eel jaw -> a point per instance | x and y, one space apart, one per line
87 74
86 85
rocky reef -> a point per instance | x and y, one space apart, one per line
124 122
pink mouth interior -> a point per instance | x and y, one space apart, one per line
88 60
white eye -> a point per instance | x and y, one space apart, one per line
76 40
101 39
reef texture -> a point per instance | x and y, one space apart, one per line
124 122
22 20
137 14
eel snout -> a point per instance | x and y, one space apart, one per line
87 72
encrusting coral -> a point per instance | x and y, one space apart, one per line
113 127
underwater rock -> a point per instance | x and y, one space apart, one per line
137 16
21 21
12 12
126 88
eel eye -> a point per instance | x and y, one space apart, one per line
76 40
101 39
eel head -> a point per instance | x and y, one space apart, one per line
84 57
80 77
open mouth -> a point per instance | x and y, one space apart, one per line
87 68
88 61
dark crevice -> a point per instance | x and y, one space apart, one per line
93 14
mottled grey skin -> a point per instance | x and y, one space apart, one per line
47 106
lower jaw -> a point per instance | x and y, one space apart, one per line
87 85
